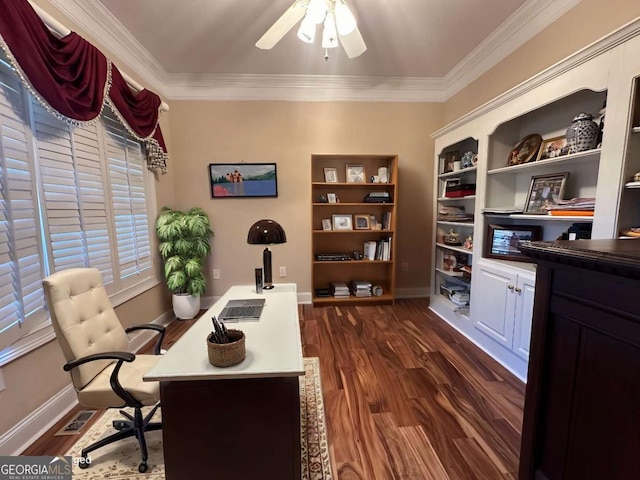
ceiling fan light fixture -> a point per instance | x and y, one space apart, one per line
329 33
316 11
307 31
345 20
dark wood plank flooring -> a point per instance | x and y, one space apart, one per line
406 396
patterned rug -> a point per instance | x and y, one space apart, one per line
120 459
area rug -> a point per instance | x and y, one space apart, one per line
120 460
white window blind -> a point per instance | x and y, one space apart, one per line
125 159
69 197
21 296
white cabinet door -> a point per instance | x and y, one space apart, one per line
494 312
524 292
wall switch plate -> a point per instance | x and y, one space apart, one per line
216 274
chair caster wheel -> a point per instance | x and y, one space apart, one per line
119 424
143 467
84 463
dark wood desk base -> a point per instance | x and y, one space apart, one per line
231 429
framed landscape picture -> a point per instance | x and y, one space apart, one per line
236 180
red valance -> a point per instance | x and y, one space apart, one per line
74 80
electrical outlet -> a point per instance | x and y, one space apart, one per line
283 272
216 274
404 266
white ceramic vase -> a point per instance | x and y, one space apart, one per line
185 306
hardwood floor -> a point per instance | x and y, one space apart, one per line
406 396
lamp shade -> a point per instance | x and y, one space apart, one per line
266 232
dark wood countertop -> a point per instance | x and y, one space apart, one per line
619 257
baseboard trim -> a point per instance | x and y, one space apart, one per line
24 433
418 292
32 427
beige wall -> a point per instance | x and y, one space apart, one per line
587 22
287 133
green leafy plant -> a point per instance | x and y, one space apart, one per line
184 244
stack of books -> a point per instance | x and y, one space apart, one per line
579 207
340 290
453 214
361 288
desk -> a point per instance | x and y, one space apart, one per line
239 422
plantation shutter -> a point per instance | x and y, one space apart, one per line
74 199
125 160
21 296
95 206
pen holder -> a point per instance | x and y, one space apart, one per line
227 354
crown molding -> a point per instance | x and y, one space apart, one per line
604 44
525 23
531 18
304 88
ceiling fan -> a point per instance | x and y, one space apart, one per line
339 23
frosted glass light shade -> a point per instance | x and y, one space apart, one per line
329 34
307 30
345 20
316 11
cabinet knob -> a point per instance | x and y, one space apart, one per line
518 289
510 287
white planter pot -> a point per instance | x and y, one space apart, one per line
185 306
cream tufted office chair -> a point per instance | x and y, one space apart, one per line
104 373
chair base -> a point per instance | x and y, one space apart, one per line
134 426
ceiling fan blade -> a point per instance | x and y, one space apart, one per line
285 23
353 43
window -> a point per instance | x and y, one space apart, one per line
69 197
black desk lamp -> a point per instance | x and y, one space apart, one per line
266 232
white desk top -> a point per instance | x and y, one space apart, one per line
273 344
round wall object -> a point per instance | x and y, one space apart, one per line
377 290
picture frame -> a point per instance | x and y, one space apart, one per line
330 175
326 224
503 240
449 182
553 148
526 150
342 221
448 158
355 174
332 198
544 191
362 222
241 180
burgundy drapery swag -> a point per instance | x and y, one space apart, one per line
73 80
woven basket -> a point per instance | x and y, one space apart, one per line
227 354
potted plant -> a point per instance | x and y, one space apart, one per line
184 244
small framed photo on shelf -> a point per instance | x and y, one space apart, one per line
355 174
342 222
448 159
326 224
503 242
332 198
526 150
545 191
330 175
553 147
362 222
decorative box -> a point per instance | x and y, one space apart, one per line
462 190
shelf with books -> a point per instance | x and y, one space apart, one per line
348 214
